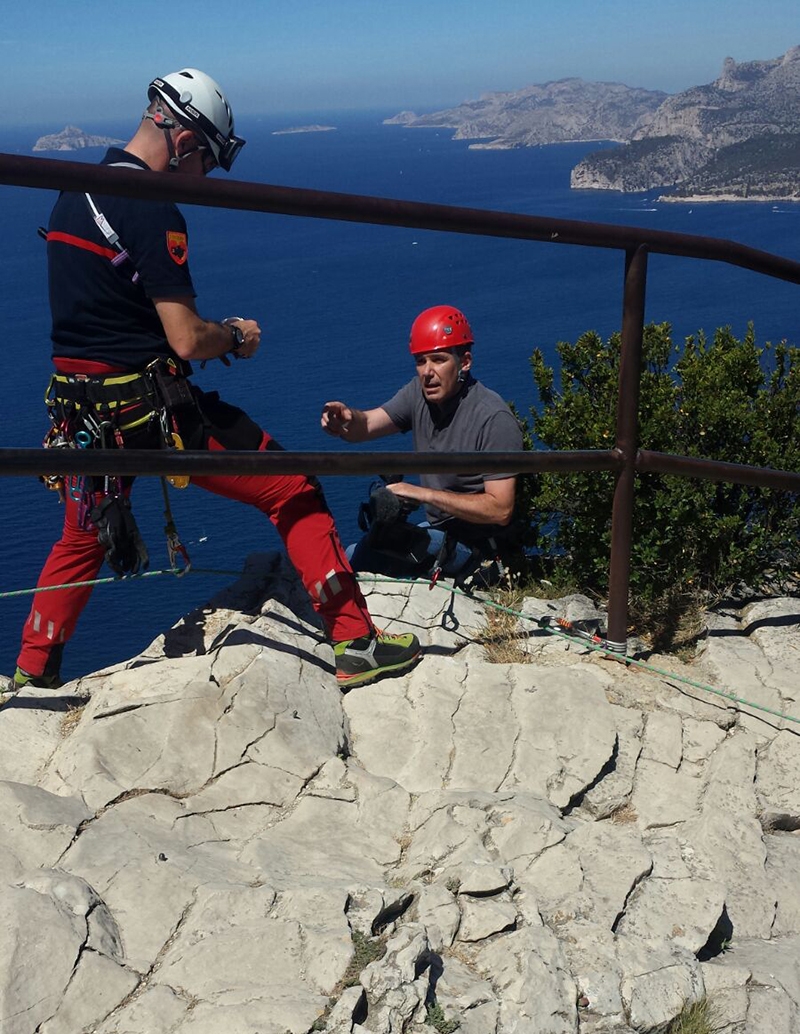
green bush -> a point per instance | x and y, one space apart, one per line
722 399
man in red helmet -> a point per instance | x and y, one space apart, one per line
125 330
447 410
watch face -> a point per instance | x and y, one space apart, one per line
238 336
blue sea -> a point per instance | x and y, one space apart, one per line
335 301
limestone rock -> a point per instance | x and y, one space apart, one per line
481 918
702 139
685 912
38 826
779 781
569 109
395 987
43 935
225 842
97 986
72 139
560 751
438 912
538 995
783 864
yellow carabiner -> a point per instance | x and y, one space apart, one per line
178 480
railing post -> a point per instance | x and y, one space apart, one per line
630 369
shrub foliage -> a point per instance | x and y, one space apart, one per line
722 399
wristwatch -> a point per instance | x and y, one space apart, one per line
237 334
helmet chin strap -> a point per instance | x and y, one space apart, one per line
167 124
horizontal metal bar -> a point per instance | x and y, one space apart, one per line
135 462
55 174
716 470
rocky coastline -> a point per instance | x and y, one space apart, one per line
563 111
700 199
737 138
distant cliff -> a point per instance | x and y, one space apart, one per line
738 137
550 113
72 139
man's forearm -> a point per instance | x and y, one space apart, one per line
475 508
210 340
192 337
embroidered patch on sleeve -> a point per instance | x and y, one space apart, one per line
177 246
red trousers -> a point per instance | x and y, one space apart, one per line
295 506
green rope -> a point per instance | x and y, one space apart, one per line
178 572
609 654
559 633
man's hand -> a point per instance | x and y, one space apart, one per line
251 332
406 490
355 425
337 419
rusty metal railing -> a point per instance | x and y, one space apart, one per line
625 459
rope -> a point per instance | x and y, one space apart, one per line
544 624
179 572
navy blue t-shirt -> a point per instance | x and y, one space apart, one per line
99 312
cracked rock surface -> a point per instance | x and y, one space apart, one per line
216 839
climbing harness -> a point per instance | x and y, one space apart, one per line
383 519
88 411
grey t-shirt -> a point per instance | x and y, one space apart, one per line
476 420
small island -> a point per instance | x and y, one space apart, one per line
72 139
303 129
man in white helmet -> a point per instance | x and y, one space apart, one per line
125 330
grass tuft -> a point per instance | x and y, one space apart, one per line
500 636
624 814
71 719
695 1018
435 1018
365 950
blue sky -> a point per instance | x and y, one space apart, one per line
78 60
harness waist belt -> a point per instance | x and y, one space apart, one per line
90 390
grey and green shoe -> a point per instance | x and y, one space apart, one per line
363 660
23 679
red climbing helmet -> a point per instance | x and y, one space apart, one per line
441 326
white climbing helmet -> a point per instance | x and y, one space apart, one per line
202 107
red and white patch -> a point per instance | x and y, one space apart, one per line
177 246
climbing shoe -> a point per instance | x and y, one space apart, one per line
22 679
363 660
